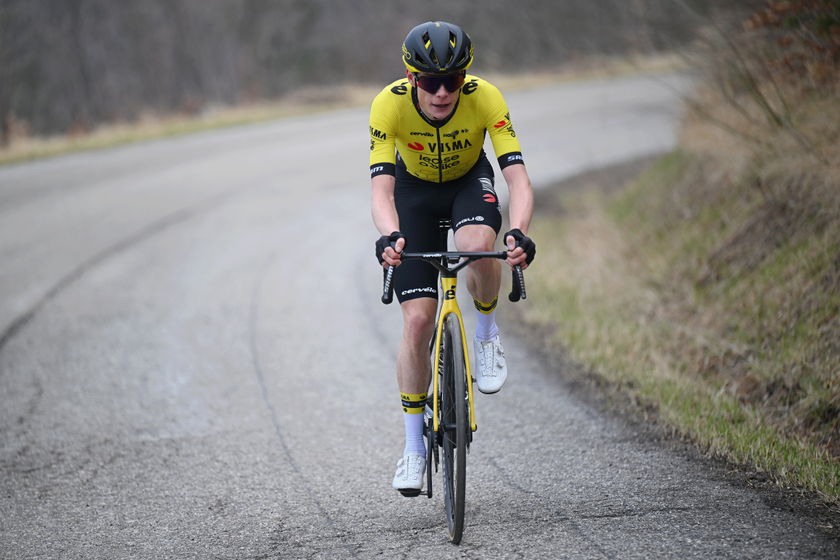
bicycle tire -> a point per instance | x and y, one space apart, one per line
454 425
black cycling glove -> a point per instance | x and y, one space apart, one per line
386 241
523 241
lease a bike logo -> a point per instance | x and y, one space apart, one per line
436 163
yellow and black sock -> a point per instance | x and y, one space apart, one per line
485 328
413 404
413 408
486 308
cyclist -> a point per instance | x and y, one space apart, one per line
427 163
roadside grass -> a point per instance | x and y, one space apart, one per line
24 146
703 299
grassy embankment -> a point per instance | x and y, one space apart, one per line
708 288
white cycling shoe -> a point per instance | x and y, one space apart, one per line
490 366
409 477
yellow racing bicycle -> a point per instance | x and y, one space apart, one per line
450 417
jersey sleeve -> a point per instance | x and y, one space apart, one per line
384 119
499 127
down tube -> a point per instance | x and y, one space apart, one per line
450 305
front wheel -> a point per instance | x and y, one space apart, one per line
453 425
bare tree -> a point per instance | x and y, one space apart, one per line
70 64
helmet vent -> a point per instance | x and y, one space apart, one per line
452 47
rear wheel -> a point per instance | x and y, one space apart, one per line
454 426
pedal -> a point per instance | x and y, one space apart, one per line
410 492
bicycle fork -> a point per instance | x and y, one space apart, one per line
449 305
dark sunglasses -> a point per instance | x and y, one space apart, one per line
450 82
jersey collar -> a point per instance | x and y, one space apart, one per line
436 124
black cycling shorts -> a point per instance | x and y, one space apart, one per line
421 205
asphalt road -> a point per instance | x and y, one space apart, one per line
194 363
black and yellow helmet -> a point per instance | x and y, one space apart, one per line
437 47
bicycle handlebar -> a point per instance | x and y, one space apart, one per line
459 260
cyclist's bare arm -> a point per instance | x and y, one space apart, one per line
521 207
384 213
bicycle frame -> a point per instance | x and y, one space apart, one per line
449 305
454 439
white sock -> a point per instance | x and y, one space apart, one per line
486 328
414 443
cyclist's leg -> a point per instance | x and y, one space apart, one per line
415 284
478 219
484 276
413 377
413 368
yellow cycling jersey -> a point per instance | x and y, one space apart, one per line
439 151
